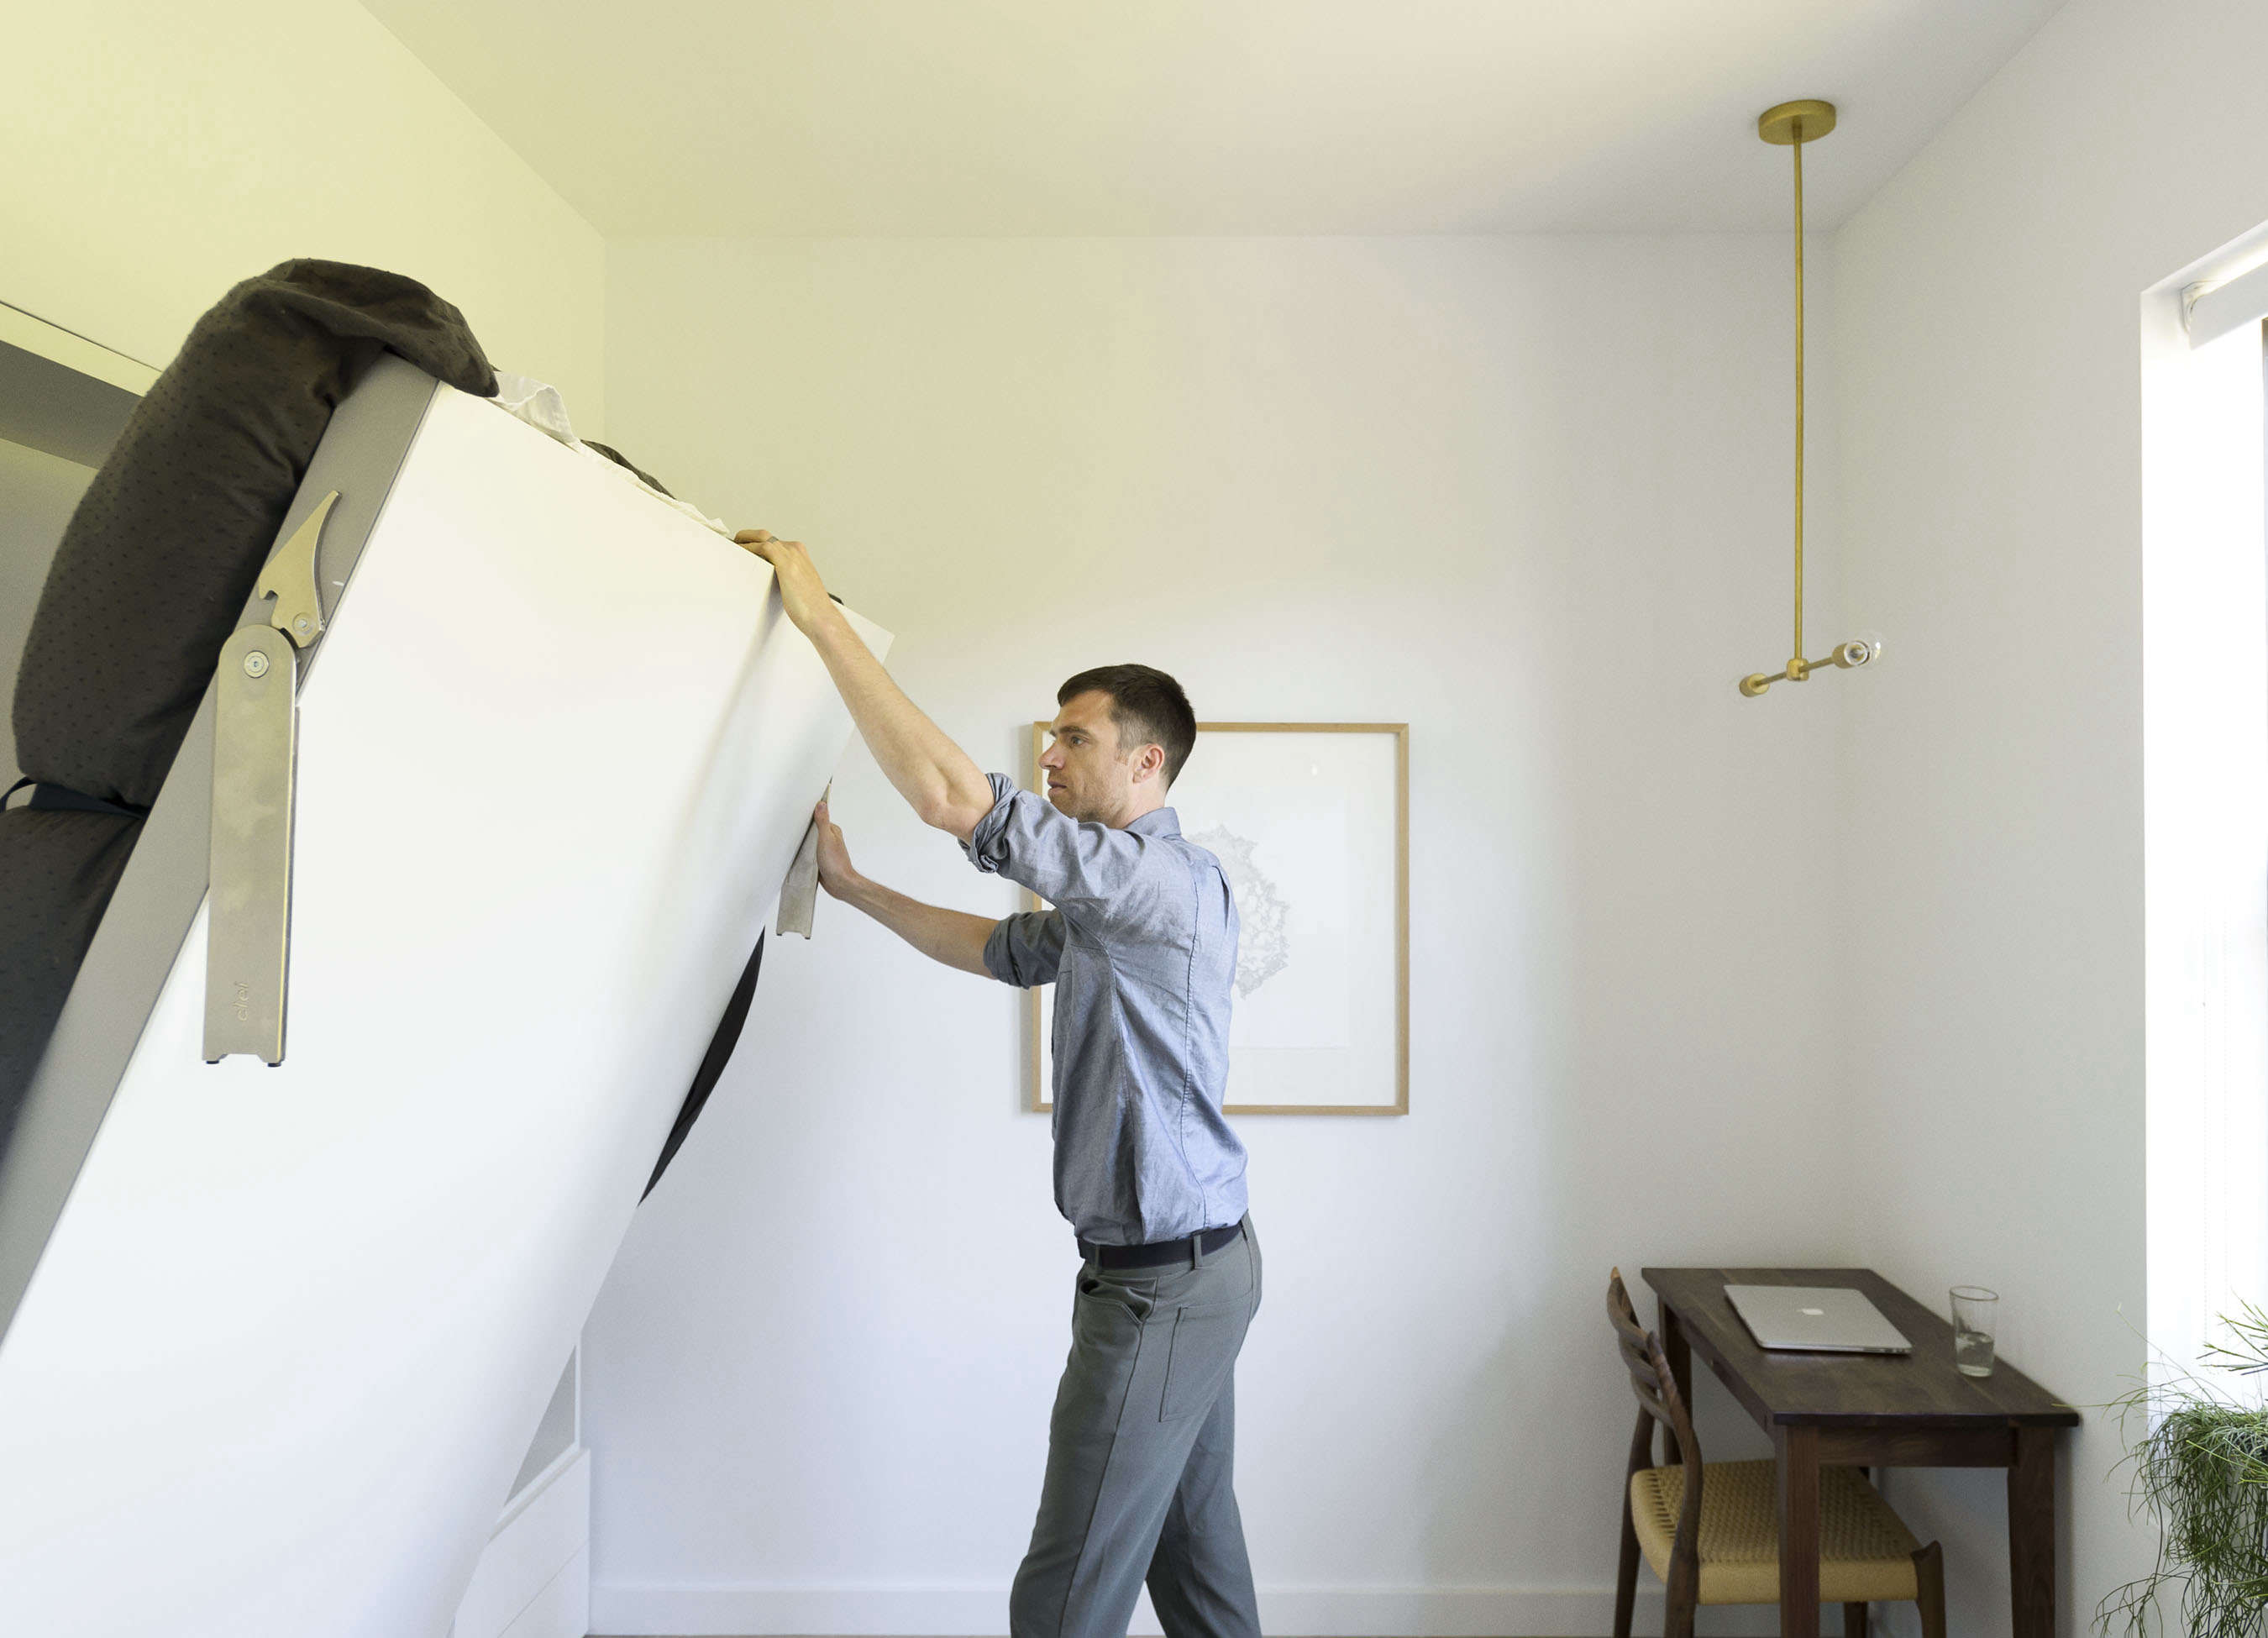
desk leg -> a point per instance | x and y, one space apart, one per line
1680 1354
1797 1453
2031 1533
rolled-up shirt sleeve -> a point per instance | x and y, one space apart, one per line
1025 949
1075 866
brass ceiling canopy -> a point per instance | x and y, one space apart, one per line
1791 125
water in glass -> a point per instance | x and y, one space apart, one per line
1975 1314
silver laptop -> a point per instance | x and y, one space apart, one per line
1832 1319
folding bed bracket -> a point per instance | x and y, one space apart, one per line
256 746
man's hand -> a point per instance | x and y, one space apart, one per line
946 790
800 587
835 873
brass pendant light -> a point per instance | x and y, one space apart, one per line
1791 125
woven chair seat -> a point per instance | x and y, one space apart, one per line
1865 1552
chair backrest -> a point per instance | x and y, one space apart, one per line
1658 1401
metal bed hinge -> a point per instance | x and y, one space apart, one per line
255 747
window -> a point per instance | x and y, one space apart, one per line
2205 575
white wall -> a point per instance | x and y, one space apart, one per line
1992 875
1530 496
158 153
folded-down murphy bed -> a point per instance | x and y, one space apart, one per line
276 1337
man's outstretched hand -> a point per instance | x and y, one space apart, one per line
834 872
800 587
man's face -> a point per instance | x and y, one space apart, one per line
1089 777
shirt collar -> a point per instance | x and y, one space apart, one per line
1157 822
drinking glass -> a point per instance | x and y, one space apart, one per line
1974 1315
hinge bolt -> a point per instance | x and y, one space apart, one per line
256 664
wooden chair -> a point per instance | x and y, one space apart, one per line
1711 1531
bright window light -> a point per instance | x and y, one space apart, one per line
2205 830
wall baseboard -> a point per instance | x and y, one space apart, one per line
730 1610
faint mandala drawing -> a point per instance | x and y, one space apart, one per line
1263 948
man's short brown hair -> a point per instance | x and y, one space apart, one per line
1146 706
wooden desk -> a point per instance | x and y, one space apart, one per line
1872 1410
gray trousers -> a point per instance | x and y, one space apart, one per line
1141 1457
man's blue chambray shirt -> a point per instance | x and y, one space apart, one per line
1141 946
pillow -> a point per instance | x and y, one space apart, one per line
157 560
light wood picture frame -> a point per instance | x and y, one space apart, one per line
1314 834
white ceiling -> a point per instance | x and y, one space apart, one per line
922 117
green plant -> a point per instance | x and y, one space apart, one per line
2201 1470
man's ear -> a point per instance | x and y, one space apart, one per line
1151 764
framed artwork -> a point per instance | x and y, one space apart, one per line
1311 823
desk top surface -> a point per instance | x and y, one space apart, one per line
1921 1389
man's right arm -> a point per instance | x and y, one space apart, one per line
951 936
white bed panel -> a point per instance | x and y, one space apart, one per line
287 1345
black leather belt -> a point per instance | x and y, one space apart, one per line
1158 1253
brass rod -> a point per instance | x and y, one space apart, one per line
1809 667
1792 124
1797 148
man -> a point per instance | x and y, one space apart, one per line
1141 946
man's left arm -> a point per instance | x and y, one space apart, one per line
943 785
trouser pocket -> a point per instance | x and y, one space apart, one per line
1201 1354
